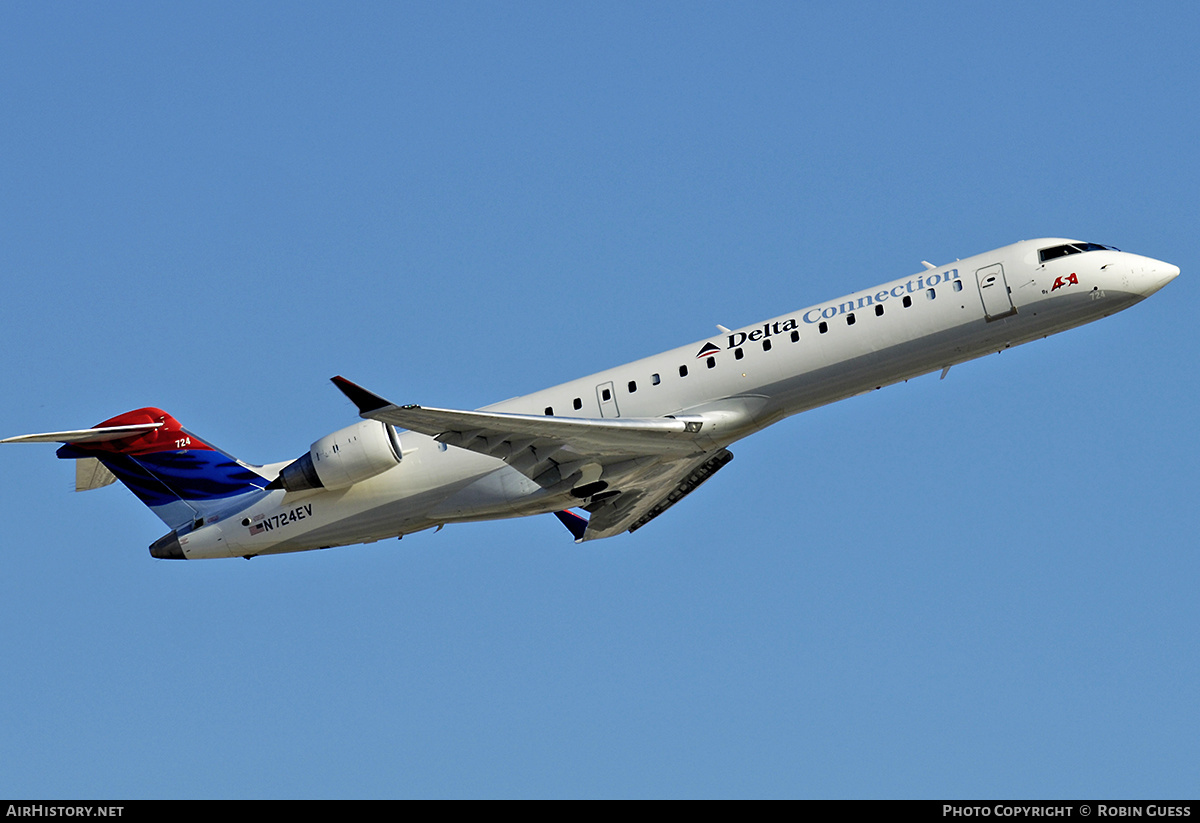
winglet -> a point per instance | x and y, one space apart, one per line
575 524
365 400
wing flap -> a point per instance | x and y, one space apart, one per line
633 509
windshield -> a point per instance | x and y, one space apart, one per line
1071 248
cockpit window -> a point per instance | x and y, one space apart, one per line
1071 248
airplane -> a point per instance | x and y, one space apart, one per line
623 445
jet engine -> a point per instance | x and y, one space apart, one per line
343 458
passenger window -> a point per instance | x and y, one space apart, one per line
712 361
606 395
655 379
766 345
907 301
683 371
879 310
850 319
823 327
738 354
578 404
549 411
930 293
632 386
795 337
958 285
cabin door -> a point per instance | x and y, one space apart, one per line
607 397
993 290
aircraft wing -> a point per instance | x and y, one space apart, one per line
601 438
636 461
618 437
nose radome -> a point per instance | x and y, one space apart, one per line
1157 274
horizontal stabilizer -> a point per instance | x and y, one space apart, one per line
99 435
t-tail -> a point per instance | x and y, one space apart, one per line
183 479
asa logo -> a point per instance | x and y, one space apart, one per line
1071 279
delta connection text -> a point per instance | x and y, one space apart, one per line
818 313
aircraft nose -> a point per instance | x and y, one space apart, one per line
1155 275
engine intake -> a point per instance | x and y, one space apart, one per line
343 458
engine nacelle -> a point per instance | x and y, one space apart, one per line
344 458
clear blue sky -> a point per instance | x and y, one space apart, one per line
977 587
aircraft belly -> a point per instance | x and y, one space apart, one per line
1067 311
502 493
399 501
390 519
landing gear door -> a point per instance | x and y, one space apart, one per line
993 290
606 395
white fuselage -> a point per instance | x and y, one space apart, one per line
739 381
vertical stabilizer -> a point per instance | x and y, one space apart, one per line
178 475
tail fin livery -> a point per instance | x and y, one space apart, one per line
180 477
